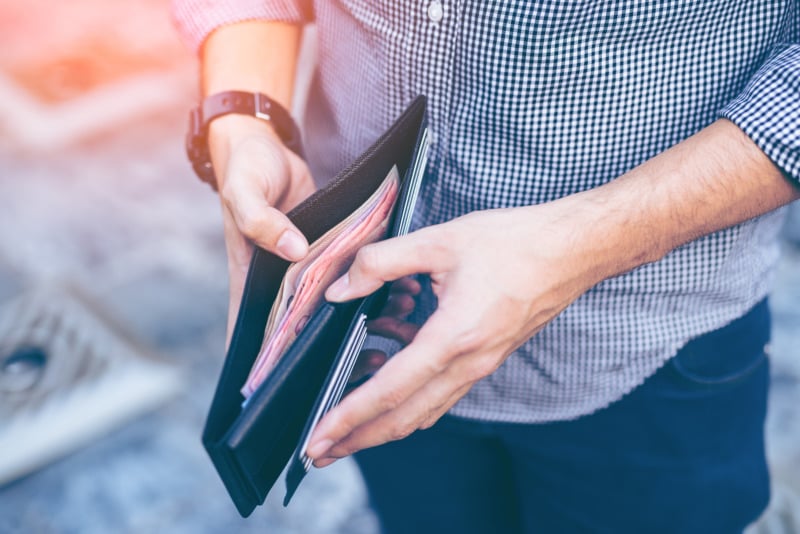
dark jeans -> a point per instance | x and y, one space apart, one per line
683 453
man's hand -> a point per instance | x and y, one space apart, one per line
390 324
499 275
259 179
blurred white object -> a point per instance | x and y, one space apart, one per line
66 377
30 124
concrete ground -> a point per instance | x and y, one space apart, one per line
95 193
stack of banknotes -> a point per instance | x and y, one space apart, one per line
303 287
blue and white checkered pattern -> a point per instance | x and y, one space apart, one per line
531 101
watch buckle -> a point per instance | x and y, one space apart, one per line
257 101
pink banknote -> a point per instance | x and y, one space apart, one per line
305 282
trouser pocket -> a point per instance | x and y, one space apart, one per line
728 355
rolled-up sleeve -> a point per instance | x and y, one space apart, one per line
768 110
196 19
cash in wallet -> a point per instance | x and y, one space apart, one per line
291 352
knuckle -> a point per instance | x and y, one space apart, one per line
432 418
368 260
437 243
227 192
437 364
480 368
345 421
401 431
250 226
390 400
342 449
427 423
299 168
468 340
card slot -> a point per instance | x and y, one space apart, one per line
354 342
413 186
329 396
343 378
338 386
336 390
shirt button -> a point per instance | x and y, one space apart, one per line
435 11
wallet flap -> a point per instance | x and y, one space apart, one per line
249 445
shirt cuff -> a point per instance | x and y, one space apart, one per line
768 110
196 19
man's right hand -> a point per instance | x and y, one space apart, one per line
259 180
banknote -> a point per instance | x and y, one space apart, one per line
303 287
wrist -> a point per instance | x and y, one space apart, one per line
199 145
227 133
620 236
231 129
599 233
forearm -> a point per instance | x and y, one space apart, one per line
501 275
258 56
713 180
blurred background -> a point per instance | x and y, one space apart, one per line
113 295
113 289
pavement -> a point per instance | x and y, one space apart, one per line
96 195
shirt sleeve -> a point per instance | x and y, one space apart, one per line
196 19
768 110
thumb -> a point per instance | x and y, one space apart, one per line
389 260
264 225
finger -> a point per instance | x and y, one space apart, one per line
325 462
399 305
393 328
302 184
369 361
426 404
464 373
406 285
422 251
437 414
405 373
266 226
421 410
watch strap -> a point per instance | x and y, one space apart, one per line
243 103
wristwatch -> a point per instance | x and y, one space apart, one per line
242 103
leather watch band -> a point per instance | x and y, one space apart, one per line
239 102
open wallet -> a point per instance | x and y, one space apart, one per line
292 353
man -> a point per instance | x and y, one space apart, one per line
597 234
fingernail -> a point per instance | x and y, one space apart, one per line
338 290
324 462
292 245
316 450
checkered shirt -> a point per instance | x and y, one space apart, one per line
532 101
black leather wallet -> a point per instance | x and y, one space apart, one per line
250 445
